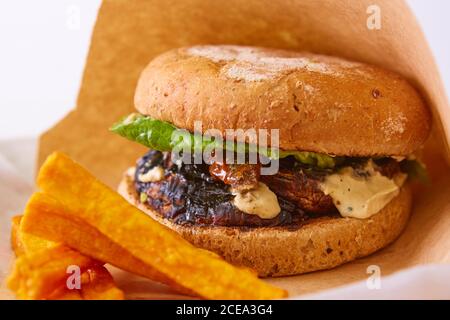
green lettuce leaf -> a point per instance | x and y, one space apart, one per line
159 135
415 170
151 133
313 159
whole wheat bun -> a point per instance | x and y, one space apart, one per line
319 103
323 243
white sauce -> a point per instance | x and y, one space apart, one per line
260 201
131 171
359 196
153 175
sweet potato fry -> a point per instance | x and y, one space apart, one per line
38 274
32 243
16 242
44 218
64 293
22 242
174 261
96 284
99 285
69 295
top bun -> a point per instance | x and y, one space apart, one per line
319 103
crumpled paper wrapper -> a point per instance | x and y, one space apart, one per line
128 34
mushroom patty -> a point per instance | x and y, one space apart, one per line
188 194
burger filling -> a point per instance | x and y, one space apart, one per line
306 186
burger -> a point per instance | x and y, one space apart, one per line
331 178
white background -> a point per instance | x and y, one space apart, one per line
43 49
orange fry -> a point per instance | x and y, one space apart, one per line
23 243
43 218
38 274
32 243
69 295
100 285
173 259
16 242
98 282
64 293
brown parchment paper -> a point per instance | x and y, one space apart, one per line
128 34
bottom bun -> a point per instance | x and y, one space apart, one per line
322 243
